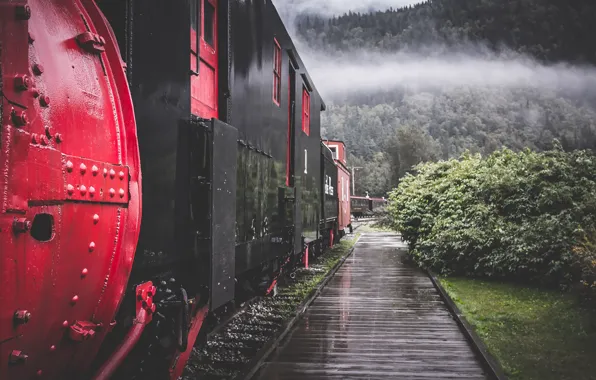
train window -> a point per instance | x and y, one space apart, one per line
209 23
333 150
305 111
276 72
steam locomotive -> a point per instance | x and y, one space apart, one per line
160 160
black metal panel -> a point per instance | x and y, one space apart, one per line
263 134
223 213
156 37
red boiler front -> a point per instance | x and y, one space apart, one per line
70 202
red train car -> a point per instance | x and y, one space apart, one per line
338 149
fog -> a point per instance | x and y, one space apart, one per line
337 7
368 72
364 72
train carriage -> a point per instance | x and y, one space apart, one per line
208 105
338 151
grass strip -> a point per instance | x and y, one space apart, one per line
534 333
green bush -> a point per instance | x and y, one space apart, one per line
528 216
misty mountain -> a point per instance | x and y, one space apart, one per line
432 80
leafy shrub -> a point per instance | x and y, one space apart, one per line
528 216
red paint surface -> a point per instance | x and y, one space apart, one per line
181 358
89 121
204 86
144 314
343 184
276 72
343 178
305 111
305 258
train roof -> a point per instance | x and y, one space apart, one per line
335 141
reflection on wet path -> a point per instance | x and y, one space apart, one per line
378 318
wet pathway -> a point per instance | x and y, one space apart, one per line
378 318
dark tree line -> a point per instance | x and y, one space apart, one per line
388 132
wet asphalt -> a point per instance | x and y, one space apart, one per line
378 318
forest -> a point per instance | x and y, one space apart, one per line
390 130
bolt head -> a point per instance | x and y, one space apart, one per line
37 69
52 348
95 219
23 12
34 138
91 247
58 138
65 324
22 82
17 356
44 101
44 140
84 272
74 299
21 225
19 119
49 131
22 316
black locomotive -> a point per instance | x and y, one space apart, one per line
237 185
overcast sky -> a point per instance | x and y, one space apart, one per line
339 7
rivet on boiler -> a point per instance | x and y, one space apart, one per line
70 189
121 175
69 166
84 272
95 219
91 247
37 69
74 299
112 192
52 348
83 190
65 324
121 192
83 168
91 190
112 173
94 170
105 172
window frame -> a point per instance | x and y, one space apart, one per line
276 72
305 110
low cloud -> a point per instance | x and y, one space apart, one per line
338 7
360 72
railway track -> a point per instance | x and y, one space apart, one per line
235 347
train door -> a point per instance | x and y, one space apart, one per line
204 59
